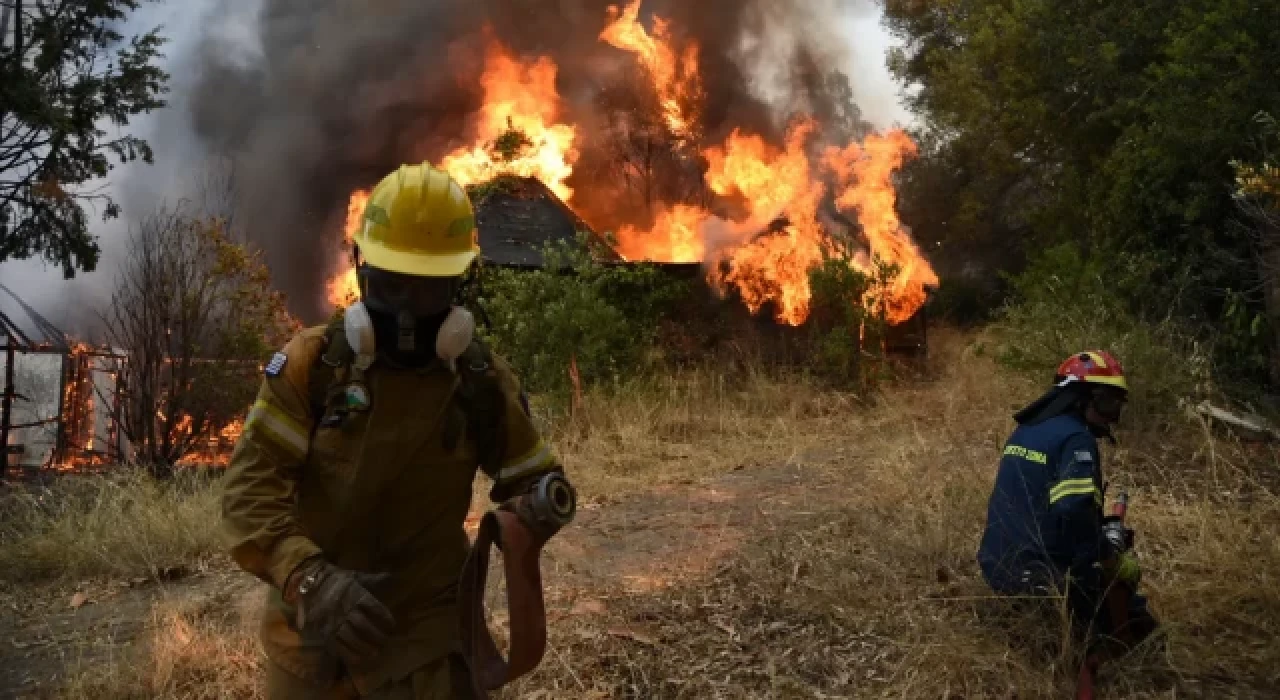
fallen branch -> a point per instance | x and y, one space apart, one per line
1251 426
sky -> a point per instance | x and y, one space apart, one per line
140 188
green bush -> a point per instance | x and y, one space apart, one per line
603 317
846 321
1067 303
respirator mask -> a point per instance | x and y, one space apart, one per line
408 319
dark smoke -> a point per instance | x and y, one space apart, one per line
346 91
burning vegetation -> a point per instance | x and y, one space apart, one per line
763 214
722 133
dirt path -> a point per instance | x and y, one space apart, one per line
673 534
46 631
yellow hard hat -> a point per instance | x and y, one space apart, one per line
419 221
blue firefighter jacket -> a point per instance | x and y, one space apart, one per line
1045 513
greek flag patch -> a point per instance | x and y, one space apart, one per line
276 365
1083 456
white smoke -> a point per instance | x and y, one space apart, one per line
137 187
859 44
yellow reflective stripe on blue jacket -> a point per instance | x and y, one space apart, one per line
278 426
1029 455
1074 487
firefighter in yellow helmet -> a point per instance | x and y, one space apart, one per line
349 487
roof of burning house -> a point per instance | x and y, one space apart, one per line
518 217
25 327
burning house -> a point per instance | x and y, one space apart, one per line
720 135
66 405
60 398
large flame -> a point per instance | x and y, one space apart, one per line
771 222
517 131
865 175
675 77
777 188
767 250
344 289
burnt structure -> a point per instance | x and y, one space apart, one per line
518 217
67 420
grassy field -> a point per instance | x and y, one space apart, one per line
832 555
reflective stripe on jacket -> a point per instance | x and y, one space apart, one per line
1044 514
376 492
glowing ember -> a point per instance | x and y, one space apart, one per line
516 130
674 78
214 450
344 289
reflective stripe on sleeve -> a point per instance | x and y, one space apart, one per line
1073 487
277 425
536 459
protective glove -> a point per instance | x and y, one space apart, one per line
335 608
1126 569
1119 537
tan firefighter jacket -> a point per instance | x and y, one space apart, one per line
378 491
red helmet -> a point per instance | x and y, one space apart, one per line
1092 367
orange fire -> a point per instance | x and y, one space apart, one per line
865 176
674 237
217 448
767 250
766 253
675 78
520 99
767 228
344 289
776 187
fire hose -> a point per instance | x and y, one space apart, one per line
1116 597
519 529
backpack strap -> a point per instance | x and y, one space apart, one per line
329 368
479 406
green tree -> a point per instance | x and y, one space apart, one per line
1111 126
66 72
1258 196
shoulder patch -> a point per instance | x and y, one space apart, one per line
276 365
1083 456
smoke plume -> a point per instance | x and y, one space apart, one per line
342 92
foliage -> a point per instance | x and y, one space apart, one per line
600 317
1258 199
502 184
65 75
846 320
1110 125
511 144
195 313
1067 303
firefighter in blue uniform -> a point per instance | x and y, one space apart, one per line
1044 529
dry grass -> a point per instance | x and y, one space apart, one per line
877 596
689 426
124 525
881 598
194 650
